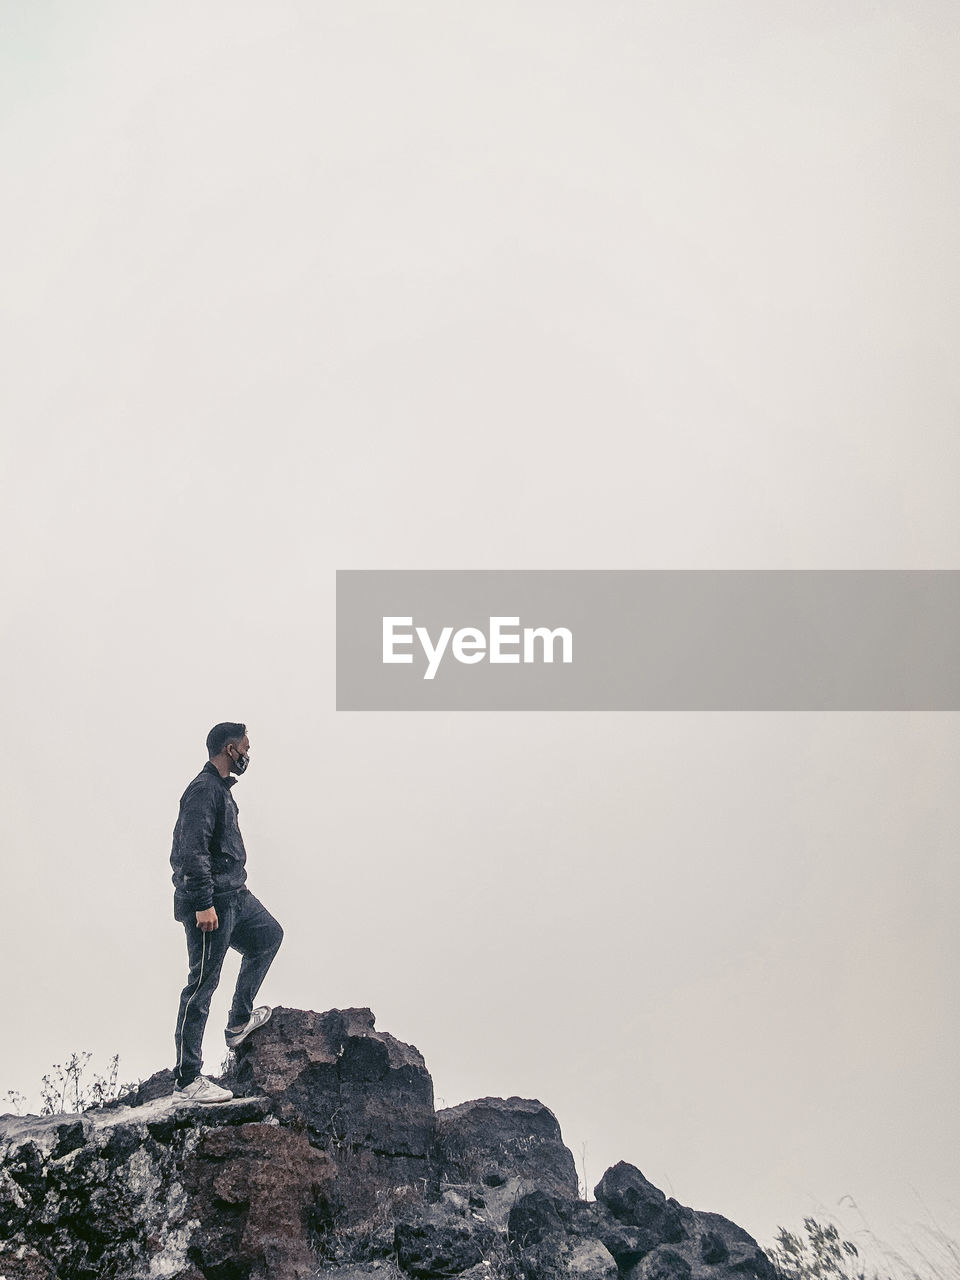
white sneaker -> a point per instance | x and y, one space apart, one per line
257 1019
202 1090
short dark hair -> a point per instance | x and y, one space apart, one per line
221 734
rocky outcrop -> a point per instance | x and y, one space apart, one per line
631 1230
638 1204
159 1190
333 1157
493 1140
674 1242
362 1096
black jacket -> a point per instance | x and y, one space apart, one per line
208 856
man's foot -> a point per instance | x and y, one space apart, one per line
257 1019
202 1090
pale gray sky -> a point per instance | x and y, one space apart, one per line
297 287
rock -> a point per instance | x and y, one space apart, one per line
259 1193
655 1238
727 1248
632 1200
23 1263
713 1248
458 1203
437 1245
751 1262
662 1263
159 1085
590 1261
482 1271
363 1096
493 1204
533 1219
349 1083
549 1233
122 1192
362 1271
553 1237
626 1244
492 1139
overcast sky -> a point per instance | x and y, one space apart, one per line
294 287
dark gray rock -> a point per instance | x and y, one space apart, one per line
713 1248
350 1083
592 1220
492 1139
662 1263
588 1260
533 1219
159 1085
625 1243
490 1204
668 1241
632 1200
428 1249
726 1248
364 1097
552 1236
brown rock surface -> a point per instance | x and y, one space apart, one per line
259 1192
363 1096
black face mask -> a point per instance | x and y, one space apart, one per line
240 764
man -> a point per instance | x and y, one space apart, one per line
217 910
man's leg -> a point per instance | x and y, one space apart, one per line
205 952
257 936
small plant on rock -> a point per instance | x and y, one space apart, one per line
65 1087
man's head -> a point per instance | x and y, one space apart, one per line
229 747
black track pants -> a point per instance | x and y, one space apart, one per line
248 927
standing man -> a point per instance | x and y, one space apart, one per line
217 910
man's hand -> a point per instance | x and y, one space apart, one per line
207 920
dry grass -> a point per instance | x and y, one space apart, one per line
821 1252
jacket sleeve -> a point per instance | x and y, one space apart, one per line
198 821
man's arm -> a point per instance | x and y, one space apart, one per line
198 822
